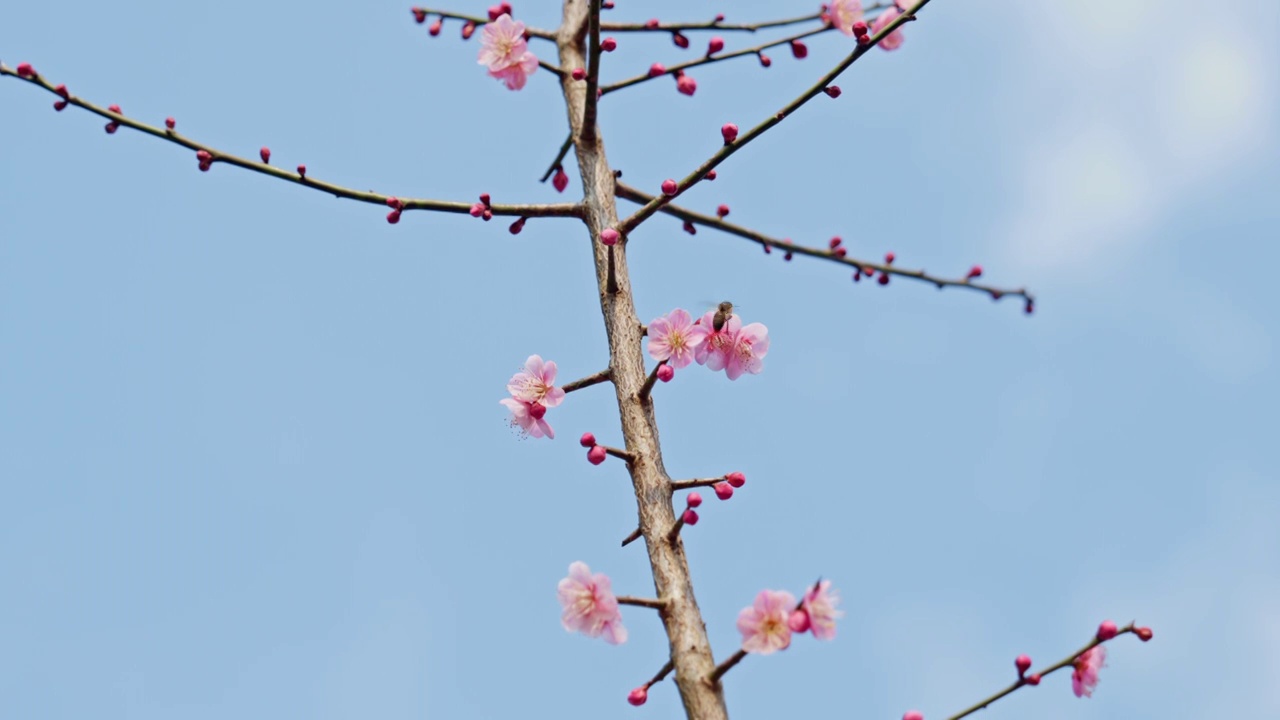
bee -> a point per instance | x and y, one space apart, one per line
723 312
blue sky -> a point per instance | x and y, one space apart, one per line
251 454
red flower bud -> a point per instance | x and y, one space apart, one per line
1143 633
25 70
609 236
798 621
1023 663
889 258
561 180
62 92
834 242
393 217
724 490
596 455
669 187
975 271
434 28
1033 679
694 499
883 279
715 45
608 44
689 228
736 479
517 226
722 211
484 198
419 15
657 69
538 411
302 171
665 373
638 696
729 132
711 175
265 154
587 440
686 85
799 50
59 105
468 29
690 517
1107 630
651 24
765 61
681 41
170 123
579 74
832 91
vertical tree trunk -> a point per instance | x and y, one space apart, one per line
690 649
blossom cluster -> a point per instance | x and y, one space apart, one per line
679 340
846 16
504 50
768 623
590 606
532 391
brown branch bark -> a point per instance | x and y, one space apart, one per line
687 638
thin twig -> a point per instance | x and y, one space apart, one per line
634 536
256 165
559 161
588 381
709 25
727 665
533 32
649 381
611 87
865 266
661 674
654 603
620 454
639 216
678 485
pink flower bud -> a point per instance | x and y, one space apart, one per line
799 50
477 210
25 70
666 372
657 69
686 85
468 29
724 490
419 15
1023 663
517 226
609 236
59 105
715 45
495 12
608 44
787 257
651 24
729 132
111 127
1143 633
1107 630
975 271
736 479
61 89
669 187
434 28
1033 679
394 203
798 621
913 715
1030 307
170 123
834 243
587 440
487 215
711 175
840 252
889 258
689 228
765 61
694 499
638 696
538 410
883 279
115 109
860 29
204 156
265 154
579 74
596 455
832 91
484 198
393 217
722 210
561 180
719 17
690 517
302 171
680 40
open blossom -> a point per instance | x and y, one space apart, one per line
532 391
590 606
843 14
746 355
819 604
674 338
895 38
714 351
1085 676
764 625
505 52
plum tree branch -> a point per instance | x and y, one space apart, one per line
478 21
721 155
865 266
299 177
709 25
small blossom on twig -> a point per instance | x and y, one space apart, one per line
505 52
1084 679
764 624
675 338
590 606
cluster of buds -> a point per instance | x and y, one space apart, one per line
113 126
396 206
482 208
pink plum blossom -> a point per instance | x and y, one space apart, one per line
505 52
536 383
1085 677
750 346
819 604
843 14
714 351
590 606
675 338
532 392
764 625
895 38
